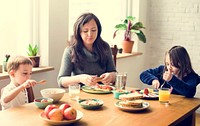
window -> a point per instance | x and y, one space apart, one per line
20 21
17 26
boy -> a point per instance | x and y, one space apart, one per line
15 93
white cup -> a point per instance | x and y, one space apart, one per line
74 91
120 82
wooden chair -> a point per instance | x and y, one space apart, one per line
114 53
30 94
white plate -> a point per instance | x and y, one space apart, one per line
64 122
145 105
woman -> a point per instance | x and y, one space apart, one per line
177 73
88 56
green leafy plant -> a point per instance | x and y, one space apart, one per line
130 26
32 50
7 56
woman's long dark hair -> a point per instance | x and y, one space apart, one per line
180 59
100 47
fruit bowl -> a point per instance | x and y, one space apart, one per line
63 122
55 93
43 102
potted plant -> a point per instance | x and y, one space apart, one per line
32 53
7 56
130 28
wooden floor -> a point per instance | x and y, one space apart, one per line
197 119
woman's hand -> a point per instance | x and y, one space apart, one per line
88 79
155 84
108 78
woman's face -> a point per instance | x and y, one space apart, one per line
174 70
89 34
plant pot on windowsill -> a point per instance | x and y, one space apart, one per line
127 46
130 27
35 60
32 53
4 66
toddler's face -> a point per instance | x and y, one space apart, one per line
174 70
23 73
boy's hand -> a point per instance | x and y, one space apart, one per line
29 83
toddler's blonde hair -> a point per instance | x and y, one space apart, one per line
15 61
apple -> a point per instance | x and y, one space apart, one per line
70 113
63 107
146 91
48 109
56 114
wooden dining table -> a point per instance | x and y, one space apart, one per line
180 111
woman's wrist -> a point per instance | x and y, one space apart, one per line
113 76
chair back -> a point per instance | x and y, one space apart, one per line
31 96
114 53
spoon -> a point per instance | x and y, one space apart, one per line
162 84
41 82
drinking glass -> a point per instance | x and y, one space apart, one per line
74 91
120 82
164 95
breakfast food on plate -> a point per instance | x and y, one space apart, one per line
103 87
133 103
147 92
131 96
90 102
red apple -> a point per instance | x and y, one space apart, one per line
48 109
146 91
56 114
63 107
70 113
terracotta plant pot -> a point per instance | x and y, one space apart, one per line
127 46
35 60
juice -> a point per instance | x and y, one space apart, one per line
164 95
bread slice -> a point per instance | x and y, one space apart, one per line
131 96
134 103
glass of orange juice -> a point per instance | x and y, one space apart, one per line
164 95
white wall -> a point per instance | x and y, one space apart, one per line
174 22
167 23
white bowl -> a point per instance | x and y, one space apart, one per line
55 93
